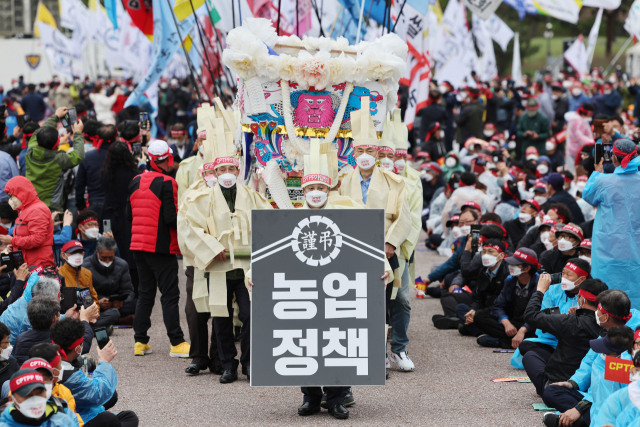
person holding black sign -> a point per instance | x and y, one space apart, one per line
217 236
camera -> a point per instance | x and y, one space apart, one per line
12 260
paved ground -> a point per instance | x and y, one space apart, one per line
450 386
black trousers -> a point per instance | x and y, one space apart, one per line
534 363
491 326
543 350
202 353
224 327
563 399
335 395
107 419
157 271
450 301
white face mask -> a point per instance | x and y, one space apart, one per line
387 164
597 318
487 133
450 162
548 245
49 388
542 168
580 186
443 89
524 217
210 180
511 145
564 245
105 264
6 353
365 161
554 97
400 164
489 260
607 92
426 176
201 149
540 199
92 232
32 407
75 260
456 231
634 377
316 198
180 143
466 229
576 92
546 217
227 180
514 270
544 236
532 157
14 202
567 285
586 258
6 225
60 374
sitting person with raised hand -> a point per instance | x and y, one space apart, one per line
622 408
580 398
504 325
569 238
112 282
29 405
49 373
573 333
75 275
489 284
51 354
90 393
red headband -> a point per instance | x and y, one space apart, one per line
55 146
25 139
526 258
178 132
636 335
316 177
222 160
496 247
626 156
86 220
154 157
432 131
570 227
62 352
55 360
571 266
603 311
202 134
507 189
401 152
587 295
25 379
562 217
386 149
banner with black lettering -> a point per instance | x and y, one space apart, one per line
318 300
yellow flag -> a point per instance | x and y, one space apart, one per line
43 15
188 42
183 8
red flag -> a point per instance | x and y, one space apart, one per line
141 12
617 370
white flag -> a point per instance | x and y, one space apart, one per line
483 8
605 4
593 38
500 32
61 52
516 66
632 24
75 16
576 56
452 41
565 10
487 67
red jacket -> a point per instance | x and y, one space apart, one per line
33 232
153 211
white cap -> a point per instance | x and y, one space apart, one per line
159 150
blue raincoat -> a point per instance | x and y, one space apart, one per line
615 254
618 410
59 419
554 297
15 316
91 393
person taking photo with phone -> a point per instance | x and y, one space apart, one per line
615 253
46 165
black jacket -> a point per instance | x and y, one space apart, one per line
26 340
587 229
112 280
431 114
470 122
574 331
487 290
16 287
568 200
429 189
530 238
503 305
554 261
8 368
516 230
88 177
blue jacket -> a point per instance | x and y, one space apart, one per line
33 104
615 254
618 410
554 297
15 316
58 419
503 305
88 177
576 102
92 393
8 169
612 102
450 265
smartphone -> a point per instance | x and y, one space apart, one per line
106 225
91 114
68 299
599 153
12 260
144 120
70 118
83 297
101 337
556 278
137 149
475 236
2 110
21 120
553 310
607 153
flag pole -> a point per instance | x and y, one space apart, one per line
615 59
204 49
360 22
230 81
315 7
399 15
278 25
186 54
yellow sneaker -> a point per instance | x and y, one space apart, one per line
142 349
180 350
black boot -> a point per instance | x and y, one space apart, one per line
308 408
339 412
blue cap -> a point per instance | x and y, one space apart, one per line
555 180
